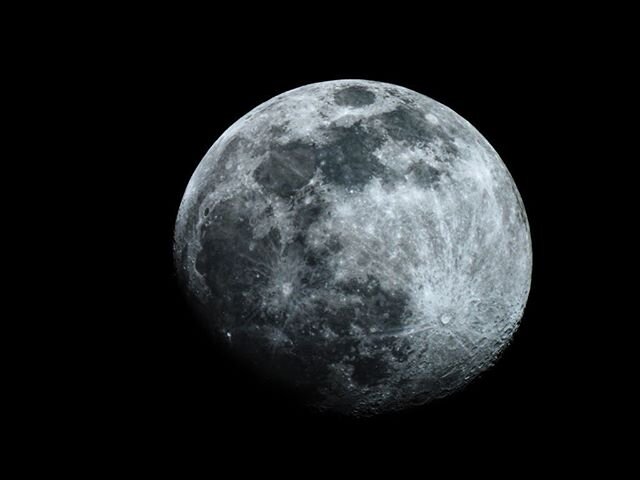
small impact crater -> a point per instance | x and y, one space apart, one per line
355 96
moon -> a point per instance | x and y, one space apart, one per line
359 242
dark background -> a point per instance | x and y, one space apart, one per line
523 95
111 109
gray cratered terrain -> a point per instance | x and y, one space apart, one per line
358 241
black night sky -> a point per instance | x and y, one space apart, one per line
175 382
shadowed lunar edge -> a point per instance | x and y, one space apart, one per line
358 241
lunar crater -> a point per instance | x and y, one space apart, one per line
354 96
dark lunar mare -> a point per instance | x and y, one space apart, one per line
347 157
230 262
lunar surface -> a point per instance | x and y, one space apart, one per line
358 241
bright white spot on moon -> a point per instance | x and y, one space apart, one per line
432 118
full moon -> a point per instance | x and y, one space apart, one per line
359 242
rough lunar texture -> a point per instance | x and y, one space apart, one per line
358 241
